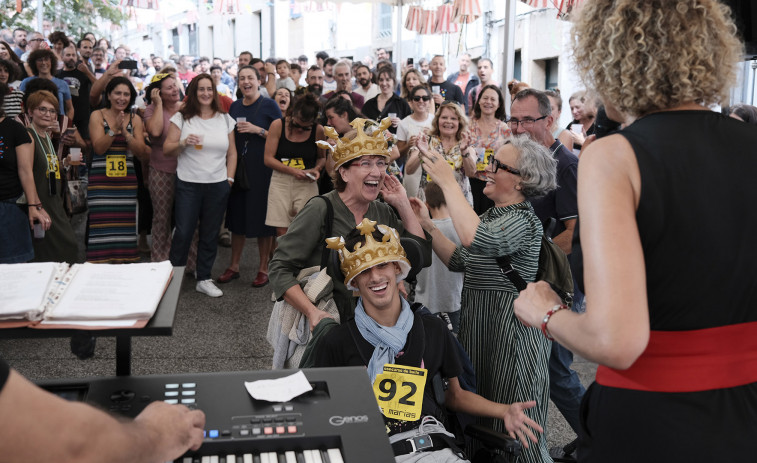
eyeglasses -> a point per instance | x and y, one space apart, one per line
50 111
301 127
36 40
499 165
527 123
419 98
368 165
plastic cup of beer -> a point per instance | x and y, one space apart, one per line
578 129
241 119
75 154
436 89
200 140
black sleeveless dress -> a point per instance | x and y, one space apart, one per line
696 219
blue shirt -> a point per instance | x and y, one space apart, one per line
64 93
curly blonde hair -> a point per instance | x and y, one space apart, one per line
644 56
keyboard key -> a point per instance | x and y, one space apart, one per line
247 458
290 457
231 459
335 455
316 456
214 459
292 429
213 433
172 393
171 401
280 430
189 385
308 456
268 430
172 386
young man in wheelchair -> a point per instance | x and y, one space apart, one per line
404 351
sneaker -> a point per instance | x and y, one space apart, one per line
224 239
208 288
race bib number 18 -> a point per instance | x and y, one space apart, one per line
399 391
115 165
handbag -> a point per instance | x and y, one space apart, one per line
241 182
74 193
554 268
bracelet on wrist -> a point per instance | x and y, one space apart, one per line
230 179
546 318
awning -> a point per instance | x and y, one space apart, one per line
564 7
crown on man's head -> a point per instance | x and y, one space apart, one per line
362 144
371 253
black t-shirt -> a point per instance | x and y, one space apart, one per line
293 151
5 371
450 92
438 352
562 203
394 105
80 87
12 134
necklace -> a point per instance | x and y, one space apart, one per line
52 159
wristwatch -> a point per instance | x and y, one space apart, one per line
262 132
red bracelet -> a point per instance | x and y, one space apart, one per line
549 314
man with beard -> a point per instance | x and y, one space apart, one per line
79 79
85 47
365 87
329 83
19 40
314 81
343 76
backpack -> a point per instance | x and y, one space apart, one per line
554 268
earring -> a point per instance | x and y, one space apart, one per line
517 187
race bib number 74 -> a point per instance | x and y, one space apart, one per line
399 391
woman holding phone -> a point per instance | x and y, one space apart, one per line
297 162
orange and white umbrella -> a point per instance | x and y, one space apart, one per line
444 24
466 11
414 18
428 22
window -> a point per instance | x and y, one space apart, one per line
517 66
385 20
550 73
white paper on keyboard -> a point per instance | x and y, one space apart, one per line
279 390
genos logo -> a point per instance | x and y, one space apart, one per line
340 420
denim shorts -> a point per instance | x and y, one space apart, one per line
15 235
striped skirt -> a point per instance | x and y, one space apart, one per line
112 201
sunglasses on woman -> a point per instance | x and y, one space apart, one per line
419 98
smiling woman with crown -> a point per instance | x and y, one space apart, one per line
360 160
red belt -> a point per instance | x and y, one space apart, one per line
689 361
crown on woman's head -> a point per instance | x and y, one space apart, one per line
362 144
371 253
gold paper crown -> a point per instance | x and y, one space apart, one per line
362 144
371 253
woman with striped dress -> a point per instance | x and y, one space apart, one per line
117 136
511 360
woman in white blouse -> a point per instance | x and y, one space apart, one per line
201 135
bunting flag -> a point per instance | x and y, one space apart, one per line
144 4
564 7
19 6
444 24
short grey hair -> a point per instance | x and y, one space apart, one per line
537 166
545 107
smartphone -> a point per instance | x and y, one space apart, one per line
127 64
410 61
310 176
70 131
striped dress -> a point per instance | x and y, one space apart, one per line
112 201
510 360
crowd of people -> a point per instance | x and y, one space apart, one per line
402 156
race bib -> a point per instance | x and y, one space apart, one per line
484 155
296 163
451 165
115 165
399 391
